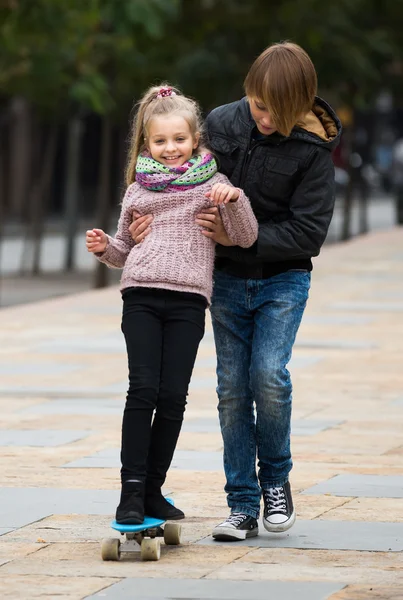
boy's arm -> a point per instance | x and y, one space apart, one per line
238 218
311 207
118 247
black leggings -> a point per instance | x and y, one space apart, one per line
163 330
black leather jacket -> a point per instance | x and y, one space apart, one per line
289 181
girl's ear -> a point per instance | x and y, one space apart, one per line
196 140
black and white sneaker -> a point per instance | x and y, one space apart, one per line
238 526
279 513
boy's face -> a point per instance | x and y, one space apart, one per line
261 116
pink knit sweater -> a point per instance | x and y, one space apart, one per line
175 255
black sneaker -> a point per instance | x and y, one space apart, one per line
279 513
238 526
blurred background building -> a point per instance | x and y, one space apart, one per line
71 70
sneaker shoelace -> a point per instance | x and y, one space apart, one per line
235 519
275 500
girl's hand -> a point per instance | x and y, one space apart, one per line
140 227
211 221
222 193
96 240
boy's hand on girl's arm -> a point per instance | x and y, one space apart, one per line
222 193
140 227
213 227
96 240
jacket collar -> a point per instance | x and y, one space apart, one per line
320 126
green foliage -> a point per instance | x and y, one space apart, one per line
99 55
352 42
59 53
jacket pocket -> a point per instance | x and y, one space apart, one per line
279 177
226 152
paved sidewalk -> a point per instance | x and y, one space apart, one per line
62 380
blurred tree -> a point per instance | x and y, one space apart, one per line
220 38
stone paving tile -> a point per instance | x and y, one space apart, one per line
32 586
26 505
36 369
370 486
341 344
149 589
337 320
40 438
77 406
329 535
375 592
14 550
61 528
84 559
382 568
366 509
368 306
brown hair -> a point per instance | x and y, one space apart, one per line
284 79
151 105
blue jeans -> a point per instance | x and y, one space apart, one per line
255 323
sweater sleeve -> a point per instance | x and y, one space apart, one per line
238 219
118 247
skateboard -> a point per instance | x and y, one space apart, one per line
141 538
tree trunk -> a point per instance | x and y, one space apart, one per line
347 209
20 156
39 201
348 195
72 175
104 190
363 224
2 199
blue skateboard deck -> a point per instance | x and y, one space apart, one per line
148 523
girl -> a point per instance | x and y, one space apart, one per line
276 144
166 285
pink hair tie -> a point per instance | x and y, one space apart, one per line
166 91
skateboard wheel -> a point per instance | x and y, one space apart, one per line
150 549
110 549
172 534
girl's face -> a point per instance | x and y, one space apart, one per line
170 141
261 116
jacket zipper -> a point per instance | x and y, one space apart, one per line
244 165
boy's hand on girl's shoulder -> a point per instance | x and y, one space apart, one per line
222 193
96 240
